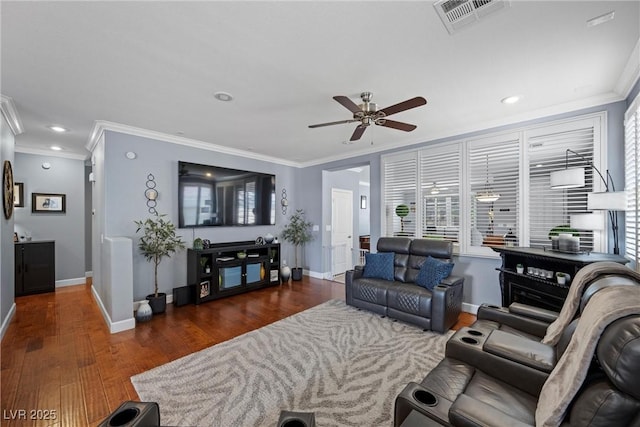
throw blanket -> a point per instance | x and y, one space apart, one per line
584 277
606 306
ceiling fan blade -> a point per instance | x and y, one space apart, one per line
347 103
405 105
397 125
357 134
341 122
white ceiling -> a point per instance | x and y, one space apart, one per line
156 65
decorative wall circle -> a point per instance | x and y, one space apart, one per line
151 194
7 185
284 202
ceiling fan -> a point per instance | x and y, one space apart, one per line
368 113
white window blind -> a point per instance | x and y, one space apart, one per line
440 192
632 182
551 208
494 170
399 199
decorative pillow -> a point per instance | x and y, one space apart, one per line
432 272
379 266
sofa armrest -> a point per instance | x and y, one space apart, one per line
522 323
537 313
469 412
349 277
446 303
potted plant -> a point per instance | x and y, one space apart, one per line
159 240
520 268
298 233
561 277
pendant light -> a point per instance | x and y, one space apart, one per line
487 195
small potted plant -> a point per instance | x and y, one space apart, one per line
520 268
298 233
561 277
159 240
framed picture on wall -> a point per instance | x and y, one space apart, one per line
48 203
18 194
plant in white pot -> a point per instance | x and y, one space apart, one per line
298 233
159 240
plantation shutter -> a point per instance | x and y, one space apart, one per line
632 182
550 208
440 192
400 181
494 170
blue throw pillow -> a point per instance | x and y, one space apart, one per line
432 272
378 266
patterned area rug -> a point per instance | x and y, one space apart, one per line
345 365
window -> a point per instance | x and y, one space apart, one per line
632 182
550 208
493 168
503 195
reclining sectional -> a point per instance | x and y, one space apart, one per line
399 297
580 370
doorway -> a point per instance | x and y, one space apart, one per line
341 231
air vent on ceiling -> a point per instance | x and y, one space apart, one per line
456 14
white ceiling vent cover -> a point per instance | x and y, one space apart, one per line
456 14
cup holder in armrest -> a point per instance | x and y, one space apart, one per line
425 397
475 333
492 306
469 340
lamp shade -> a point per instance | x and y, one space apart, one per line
592 221
567 178
610 201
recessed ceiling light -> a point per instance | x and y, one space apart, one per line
56 148
600 19
57 128
510 99
223 96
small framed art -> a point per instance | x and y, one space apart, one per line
48 203
18 194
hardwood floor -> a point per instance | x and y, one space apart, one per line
58 357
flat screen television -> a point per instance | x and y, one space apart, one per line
215 196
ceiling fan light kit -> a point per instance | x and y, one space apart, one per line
367 114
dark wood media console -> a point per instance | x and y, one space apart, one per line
539 291
221 271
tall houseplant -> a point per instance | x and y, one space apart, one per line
158 241
298 233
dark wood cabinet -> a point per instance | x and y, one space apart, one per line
537 289
35 270
221 270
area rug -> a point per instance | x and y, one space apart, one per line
345 365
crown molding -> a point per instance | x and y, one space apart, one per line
100 126
10 113
49 153
631 72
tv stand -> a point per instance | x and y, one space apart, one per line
222 270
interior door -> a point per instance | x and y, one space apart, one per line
341 230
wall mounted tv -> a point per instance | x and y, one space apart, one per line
215 196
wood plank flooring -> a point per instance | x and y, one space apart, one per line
58 357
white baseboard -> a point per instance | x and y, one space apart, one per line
470 308
114 327
88 274
71 282
7 320
314 274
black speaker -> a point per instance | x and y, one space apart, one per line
297 419
184 295
134 414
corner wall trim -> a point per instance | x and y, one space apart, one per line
470 308
120 326
7 320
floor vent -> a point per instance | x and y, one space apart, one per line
456 14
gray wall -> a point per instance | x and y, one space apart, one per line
87 216
7 255
481 283
66 176
124 201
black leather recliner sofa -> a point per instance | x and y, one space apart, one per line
401 298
